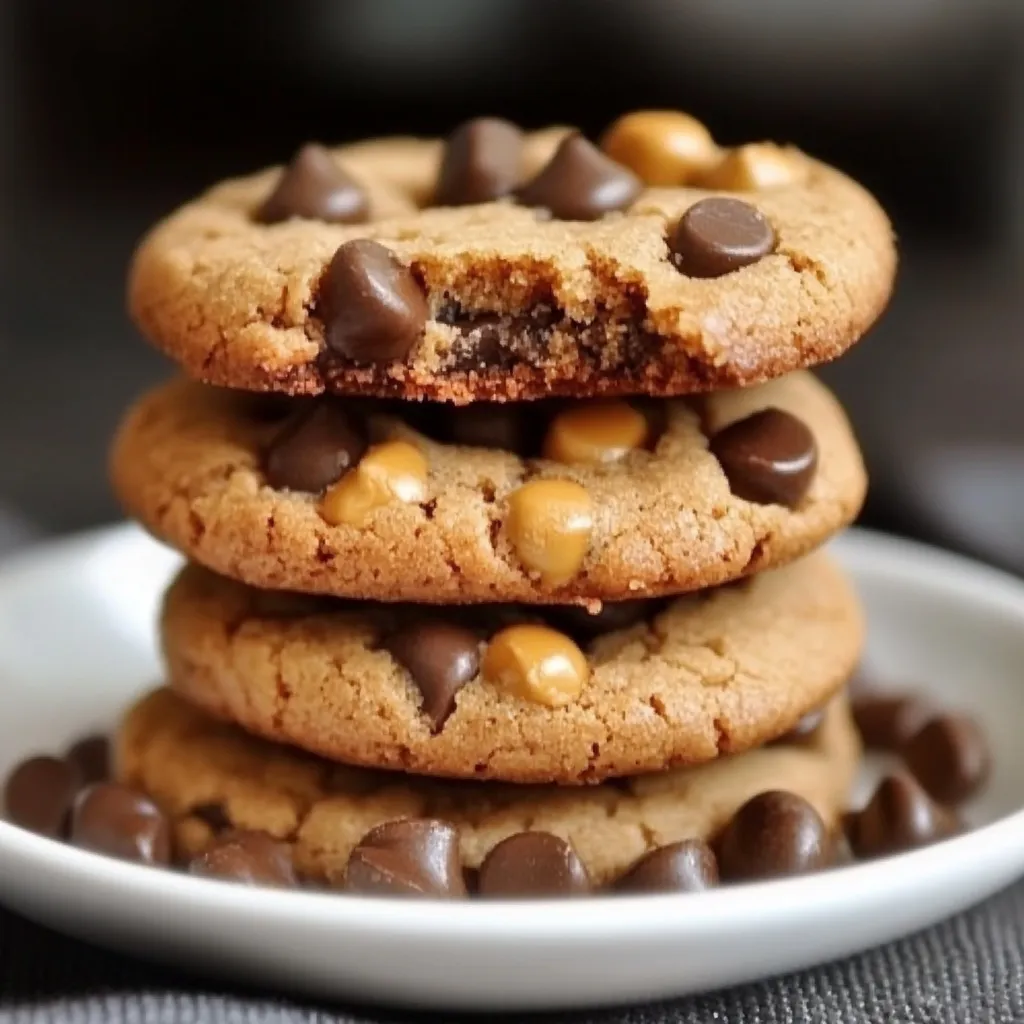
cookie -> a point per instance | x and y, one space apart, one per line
550 268
652 509
519 694
209 776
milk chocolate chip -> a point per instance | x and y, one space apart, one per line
441 658
887 721
580 183
252 858
120 822
480 163
412 857
687 866
533 864
314 187
772 835
949 756
39 793
769 457
314 449
372 306
90 757
717 236
899 816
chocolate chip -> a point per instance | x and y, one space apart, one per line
373 308
90 757
314 187
533 864
412 857
949 756
39 794
120 822
583 625
773 834
887 721
580 183
716 236
688 866
441 658
899 816
769 457
314 448
213 816
489 425
480 163
804 729
253 858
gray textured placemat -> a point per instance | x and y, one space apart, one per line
970 968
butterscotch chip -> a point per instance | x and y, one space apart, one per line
664 147
189 462
536 663
758 165
681 683
549 524
596 432
519 304
322 811
389 472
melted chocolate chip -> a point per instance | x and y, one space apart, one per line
583 625
314 187
899 816
373 308
39 793
533 864
581 183
120 822
480 163
252 858
772 835
769 457
687 866
314 449
949 756
441 658
412 857
90 758
213 816
491 425
717 236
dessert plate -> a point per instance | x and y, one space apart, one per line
77 644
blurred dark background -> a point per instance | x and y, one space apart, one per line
112 113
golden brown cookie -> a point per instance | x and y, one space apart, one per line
485 524
517 694
209 776
576 280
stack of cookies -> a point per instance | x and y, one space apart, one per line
501 481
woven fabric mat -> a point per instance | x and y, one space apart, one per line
969 968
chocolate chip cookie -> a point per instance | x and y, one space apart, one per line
498 264
210 777
517 693
537 502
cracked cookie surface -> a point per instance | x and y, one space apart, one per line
188 462
708 674
519 305
206 774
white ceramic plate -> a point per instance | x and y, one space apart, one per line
76 644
